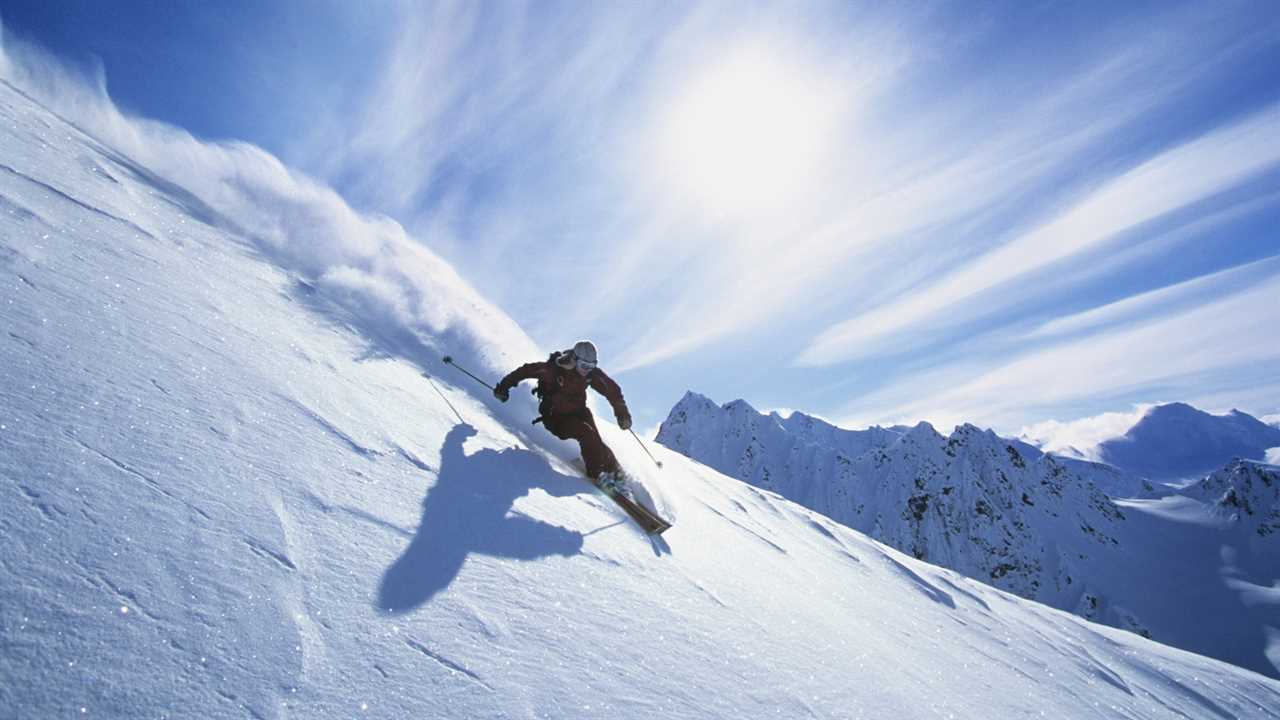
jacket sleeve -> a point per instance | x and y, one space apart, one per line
528 371
611 391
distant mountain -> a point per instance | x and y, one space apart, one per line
1245 494
1005 513
1177 441
971 501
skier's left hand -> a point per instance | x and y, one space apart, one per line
624 422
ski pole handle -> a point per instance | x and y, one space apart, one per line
646 449
448 360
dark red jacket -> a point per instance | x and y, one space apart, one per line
565 391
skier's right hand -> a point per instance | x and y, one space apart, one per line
502 393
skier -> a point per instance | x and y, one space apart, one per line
562 388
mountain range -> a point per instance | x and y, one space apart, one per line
1042 527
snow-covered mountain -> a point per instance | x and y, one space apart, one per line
1177 441
227 490
1246 495
1003 513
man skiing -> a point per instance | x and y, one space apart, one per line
563 380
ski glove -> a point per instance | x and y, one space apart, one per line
624 422
501 393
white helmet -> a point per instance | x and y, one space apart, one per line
585 352
582 356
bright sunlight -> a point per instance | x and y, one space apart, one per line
747 137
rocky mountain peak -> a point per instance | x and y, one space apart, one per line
1246 493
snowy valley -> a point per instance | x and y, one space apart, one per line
236 482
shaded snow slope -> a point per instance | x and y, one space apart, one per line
1177 442
1008 515
220 501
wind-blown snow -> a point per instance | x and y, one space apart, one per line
226 490
390 285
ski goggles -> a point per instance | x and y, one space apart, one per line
586 365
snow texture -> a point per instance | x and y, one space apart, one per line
227 490
1033 524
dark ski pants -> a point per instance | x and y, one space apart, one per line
581 426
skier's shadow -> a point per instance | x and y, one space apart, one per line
467 511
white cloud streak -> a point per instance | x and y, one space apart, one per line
1173 179
1219 336
1156 302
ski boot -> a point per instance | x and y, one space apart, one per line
615 483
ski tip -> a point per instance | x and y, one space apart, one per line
448 359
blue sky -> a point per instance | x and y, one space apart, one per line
1003 213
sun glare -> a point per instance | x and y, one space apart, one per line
747 137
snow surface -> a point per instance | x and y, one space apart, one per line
227 490
1001 512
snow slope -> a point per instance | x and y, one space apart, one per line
1032 524
227 490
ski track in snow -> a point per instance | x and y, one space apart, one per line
446 663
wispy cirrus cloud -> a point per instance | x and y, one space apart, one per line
1185 355
1162 301
936 175
629 174
904 197
1195 170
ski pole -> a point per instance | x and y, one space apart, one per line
445 398
449 361
646 450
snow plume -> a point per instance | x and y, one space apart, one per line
1273 456
1081 437
388 285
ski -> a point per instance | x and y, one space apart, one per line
644 517
648 520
